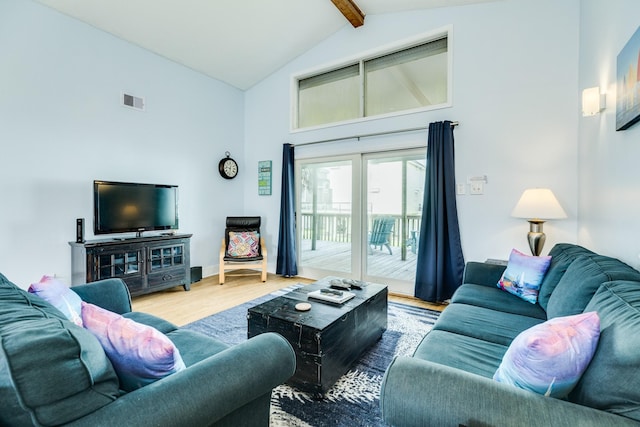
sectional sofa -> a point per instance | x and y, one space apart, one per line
54 372
449 381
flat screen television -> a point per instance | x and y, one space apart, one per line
121 207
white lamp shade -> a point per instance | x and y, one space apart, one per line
538 203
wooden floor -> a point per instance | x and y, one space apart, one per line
207 297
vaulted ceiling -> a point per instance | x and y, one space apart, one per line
239 42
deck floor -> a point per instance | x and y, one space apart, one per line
337 257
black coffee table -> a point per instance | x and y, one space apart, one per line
327 339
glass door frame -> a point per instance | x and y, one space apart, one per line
356 207
359 217
405 287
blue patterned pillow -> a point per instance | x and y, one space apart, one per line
524 275
550 358
243 244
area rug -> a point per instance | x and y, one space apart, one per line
353 400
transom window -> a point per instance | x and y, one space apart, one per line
410 78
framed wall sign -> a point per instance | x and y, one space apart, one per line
628 83
264 178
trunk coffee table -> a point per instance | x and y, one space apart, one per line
328 338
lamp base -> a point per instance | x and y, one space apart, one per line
535 236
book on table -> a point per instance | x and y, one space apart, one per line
331 296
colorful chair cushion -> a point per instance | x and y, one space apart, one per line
244 244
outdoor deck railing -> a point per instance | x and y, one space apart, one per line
336 227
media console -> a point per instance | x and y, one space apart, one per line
146 264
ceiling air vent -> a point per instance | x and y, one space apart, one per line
132 101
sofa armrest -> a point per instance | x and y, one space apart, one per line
481 273
419 393
207 391
110 294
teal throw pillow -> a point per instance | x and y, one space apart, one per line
140 354
524 274
550 358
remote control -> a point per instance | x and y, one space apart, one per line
331 292
355 284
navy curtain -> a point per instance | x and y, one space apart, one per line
440 260
287 265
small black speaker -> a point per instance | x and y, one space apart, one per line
196 274
80 230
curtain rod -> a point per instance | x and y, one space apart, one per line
368 135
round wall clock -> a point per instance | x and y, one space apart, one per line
228 167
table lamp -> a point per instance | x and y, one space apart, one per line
537 205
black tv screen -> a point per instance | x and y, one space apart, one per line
121 207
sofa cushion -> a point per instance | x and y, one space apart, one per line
549 358
60 296
483 323
139 353
562 255
51 370
611 382
195 346
524 275
462 352
496 299
581 281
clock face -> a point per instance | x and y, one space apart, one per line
228 168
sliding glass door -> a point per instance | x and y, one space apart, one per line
359 216
393 200
325 216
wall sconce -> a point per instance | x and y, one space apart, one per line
537 205
593 102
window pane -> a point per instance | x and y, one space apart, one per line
405 80
394 200
325 216
329 97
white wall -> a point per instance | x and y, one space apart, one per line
515 83
609 173
516 96
61 127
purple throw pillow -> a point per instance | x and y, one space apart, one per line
60 296
550 358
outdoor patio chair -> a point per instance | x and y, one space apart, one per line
380 233
243 247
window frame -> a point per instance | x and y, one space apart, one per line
443 32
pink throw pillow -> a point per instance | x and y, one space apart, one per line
140 354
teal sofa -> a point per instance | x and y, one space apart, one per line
448 381
53 372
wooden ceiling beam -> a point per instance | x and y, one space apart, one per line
351 11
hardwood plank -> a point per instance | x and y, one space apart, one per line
207 297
